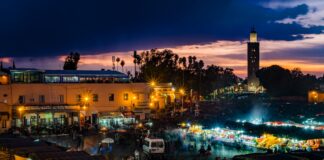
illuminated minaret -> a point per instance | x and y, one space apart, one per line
253 58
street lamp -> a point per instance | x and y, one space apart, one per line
20 109
83 107
182 93
86 99
315 96
152 83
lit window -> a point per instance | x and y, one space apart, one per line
70 79
52 79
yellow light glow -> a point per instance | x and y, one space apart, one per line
182 91
172 89
152 97
152 83
134 97
253 37
86 98
151 104
20 109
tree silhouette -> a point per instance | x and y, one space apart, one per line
279 81
135 55
117 60
166 66
122 63
71 61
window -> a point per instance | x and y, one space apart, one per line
126 96
52 79
78 98
157 145
4 124
18 77
111 97
95 97
70 79
61 98
41 99
21 99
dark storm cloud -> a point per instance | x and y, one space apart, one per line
46 28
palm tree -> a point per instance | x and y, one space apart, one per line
190 62
117 60
122 63
134 61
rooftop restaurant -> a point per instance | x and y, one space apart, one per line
31 75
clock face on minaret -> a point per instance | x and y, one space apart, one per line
253 58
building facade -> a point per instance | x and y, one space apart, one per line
253 59
316 95
40 98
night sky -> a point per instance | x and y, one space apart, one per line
39 33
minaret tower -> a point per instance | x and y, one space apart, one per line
253 58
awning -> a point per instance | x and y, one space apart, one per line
111 115
128 114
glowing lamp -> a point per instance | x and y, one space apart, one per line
86 98
182 91
20 109
152 83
